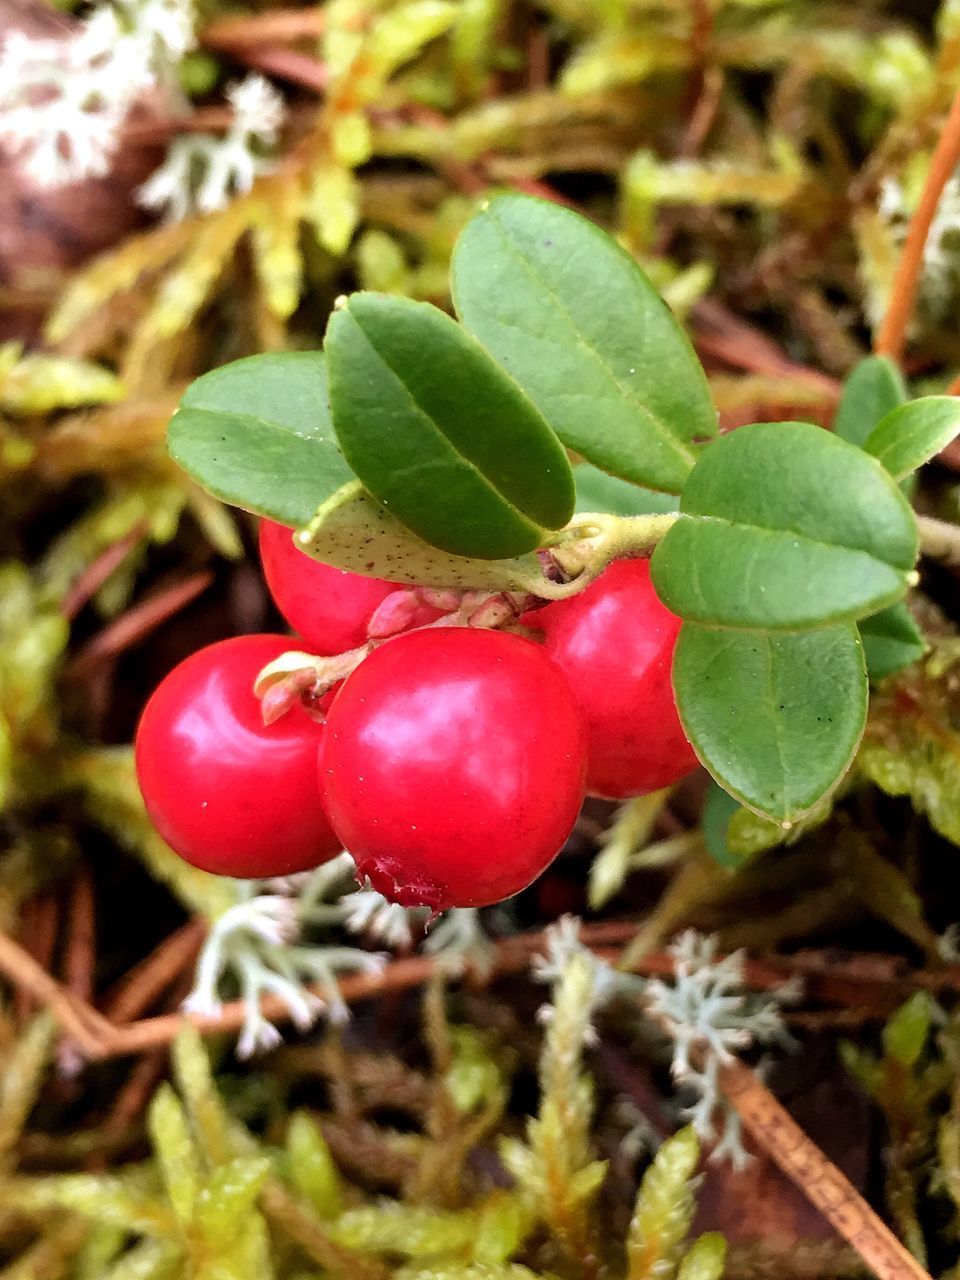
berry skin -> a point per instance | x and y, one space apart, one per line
615 641
229 794
453 765
329 607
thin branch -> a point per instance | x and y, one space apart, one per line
89 582
144 984
940 540
280 25
891 335
83 1024
774 1130
138 622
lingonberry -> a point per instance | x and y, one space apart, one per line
228 793
615 641
329 607
452 766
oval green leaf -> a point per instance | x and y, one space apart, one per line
872 390
439 434
355 532
597 491
891 640
257 433
914 433
575 321
775 718
789 528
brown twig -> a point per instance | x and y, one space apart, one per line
277 26
95 574
863 982
891 335
704 83
80 958
718 332
159 128
286 64
39 929
91 1032
131 1101
138 622
144 984
773 1129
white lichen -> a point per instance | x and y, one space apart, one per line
706 1011
203 171
256 948
282 938
710 1015
64 99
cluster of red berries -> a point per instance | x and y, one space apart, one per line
452 763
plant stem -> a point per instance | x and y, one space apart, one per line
606 538
906 283
939 540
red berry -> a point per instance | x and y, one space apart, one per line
230 794
329 607
452 766
615 641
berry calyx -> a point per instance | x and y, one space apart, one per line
615 642
453 766
228 793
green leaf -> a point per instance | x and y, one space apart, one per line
312 1168
906 1031
575 321
891 640
706 1258
914 433
257 433
354 532
438 433
788 528
227 1199
175 1151
664 1208
718 808
775 718
870 392
597 491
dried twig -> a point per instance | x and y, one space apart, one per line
95 575
91 1032
139 621
892 333
277 26
821 1182
80 958
145 983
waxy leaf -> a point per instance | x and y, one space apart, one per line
870 392
439 434
891 640
775 718
787 528
354 532
575 321
912 434
257 433
597 491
